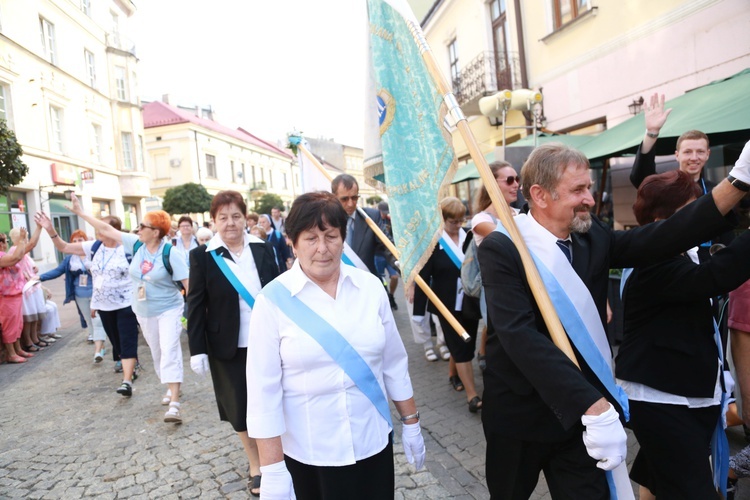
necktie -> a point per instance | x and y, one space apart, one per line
565 248
349 230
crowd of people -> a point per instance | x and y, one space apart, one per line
267 303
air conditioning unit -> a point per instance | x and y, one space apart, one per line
175 162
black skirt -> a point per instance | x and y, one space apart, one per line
230 388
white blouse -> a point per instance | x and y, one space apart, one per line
296 391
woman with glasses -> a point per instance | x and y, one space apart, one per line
156 301
79 288
110 294
485 221
443 272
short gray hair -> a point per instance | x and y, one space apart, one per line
546 164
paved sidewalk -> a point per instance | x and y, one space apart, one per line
65 433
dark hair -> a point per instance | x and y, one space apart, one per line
223 198
317 209
483 197
113 221
252 216
693 135
185 218
347 180
661 195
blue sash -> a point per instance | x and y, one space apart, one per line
449 251
346 260
244 293
332 343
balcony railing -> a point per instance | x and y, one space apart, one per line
486 74
117 41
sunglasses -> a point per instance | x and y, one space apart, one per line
3 241
345 199
144 226
511 179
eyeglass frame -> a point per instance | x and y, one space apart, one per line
512 178
144 226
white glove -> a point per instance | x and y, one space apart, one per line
411 438
605 439
199 364
741 169
276 482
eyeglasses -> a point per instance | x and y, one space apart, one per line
3 241
144 226
511 179
345 199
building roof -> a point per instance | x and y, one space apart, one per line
160 114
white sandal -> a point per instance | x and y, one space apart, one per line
173 414
444 352
429 353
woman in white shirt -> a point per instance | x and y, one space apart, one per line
328 428
485 221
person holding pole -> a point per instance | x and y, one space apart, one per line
360 239
541 411
318 382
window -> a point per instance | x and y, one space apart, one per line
96 142
242 171
121 83
503 73
47 31
453 60
567 10
141 156
285 185
211 166
90 67
86 7
253 167
5 103
270 178
55 120
231 171
262 175
127 151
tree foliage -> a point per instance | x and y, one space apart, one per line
12 169
373 200
265 203
189 198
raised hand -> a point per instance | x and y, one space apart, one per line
656 115
42 220
23 234
75 205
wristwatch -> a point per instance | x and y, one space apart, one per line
409 417
742 186
652 135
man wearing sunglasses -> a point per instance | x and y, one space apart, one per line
359 236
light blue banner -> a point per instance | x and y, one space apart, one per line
416 148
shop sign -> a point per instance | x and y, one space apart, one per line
64 175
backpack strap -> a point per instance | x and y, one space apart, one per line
95 247
165 257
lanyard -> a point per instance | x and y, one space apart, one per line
104 265
158 251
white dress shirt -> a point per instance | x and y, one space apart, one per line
246 263
297 391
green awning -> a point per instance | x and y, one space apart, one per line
575 141
721 107
469 171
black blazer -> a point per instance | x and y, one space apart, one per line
364 241
213 309
668 324
532 390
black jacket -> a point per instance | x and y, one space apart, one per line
668 326
532 390
213 308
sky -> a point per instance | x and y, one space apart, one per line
268 66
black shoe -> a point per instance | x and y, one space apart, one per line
125 389
475 404
392 299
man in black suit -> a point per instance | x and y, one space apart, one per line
536 401
359 236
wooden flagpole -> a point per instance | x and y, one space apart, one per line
392 248
556 330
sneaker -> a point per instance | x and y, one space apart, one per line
173 414
118 366
90 339
125 389
392 299
98 357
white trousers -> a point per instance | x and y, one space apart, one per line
96 329
162 334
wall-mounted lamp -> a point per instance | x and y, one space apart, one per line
635 106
